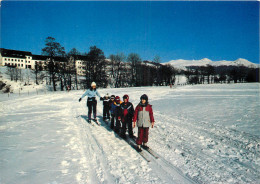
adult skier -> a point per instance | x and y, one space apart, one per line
91 102
143 115
127 112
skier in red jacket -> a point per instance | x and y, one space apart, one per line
143 115
127 111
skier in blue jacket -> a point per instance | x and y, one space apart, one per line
91 102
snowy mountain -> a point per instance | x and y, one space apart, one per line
180 63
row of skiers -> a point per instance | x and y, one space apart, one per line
122 115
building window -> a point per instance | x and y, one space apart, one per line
21 65
26 61
12 60
15 60
5 59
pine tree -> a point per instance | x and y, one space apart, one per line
52 50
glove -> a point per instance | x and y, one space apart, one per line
79 99
152 124
134 123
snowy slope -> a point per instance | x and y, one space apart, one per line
19 86
180 63
209 133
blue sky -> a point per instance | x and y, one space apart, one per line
171 29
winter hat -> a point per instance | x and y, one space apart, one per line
112 96
93 84
117 99
145 97
107 95
126 97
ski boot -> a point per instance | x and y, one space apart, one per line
123 136
145 146
138 149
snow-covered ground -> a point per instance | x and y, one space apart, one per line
203 133
28 78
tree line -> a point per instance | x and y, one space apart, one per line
221 74
119 70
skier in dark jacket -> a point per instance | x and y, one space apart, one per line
112 110
106 107
117 111
143 116
127 112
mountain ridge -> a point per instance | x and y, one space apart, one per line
181 63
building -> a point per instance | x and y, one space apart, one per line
15 58
24 59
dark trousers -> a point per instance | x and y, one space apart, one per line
142 135
118 125
127 122
92 105
112 125
106 114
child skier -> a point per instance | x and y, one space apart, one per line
91 102
143 115
112 108
117 111
106 107
127 112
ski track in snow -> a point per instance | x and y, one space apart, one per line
44 138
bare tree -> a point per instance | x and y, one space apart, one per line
95 65
133 59
37 71
157 60
10 72
73 56
117 63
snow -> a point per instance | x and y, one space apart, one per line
28 78
203 134
181 63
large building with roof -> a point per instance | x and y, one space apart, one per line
25 59
15 58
